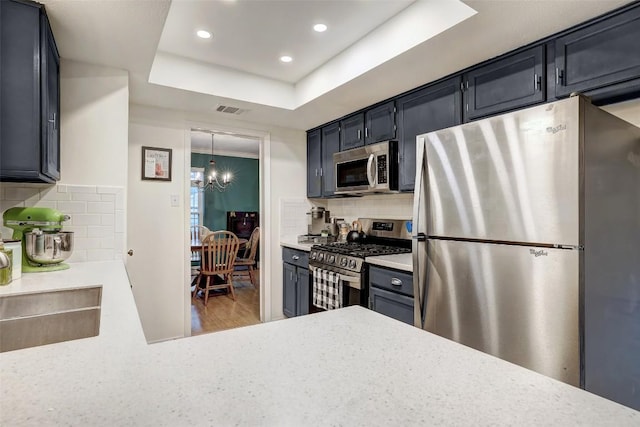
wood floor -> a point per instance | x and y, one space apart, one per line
223 313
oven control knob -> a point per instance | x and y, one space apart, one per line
352 263
320 256
332 259
313 255
343 262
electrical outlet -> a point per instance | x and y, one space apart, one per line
175 201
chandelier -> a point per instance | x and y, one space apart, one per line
214 180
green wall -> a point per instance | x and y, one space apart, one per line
242 194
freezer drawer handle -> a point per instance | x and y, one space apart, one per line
396 282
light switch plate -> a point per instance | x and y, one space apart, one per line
175 201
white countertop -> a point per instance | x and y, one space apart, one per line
292 242
402 262
342 367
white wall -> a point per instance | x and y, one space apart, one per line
156 234
283 175
94 111
629 111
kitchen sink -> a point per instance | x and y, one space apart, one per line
39 318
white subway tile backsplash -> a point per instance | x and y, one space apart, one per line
42 204
83 243
108 190
87 197
108 219
70 207
98 219
107 243
120 200
78 255
120 222
388 206
21 193
78 231
100 230
7 204
118 241
81 188
86 219
52 194
101 207
100 254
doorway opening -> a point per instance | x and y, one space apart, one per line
237 208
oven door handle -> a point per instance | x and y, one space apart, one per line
340 276
371 170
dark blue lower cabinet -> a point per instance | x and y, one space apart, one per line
295 283
397 306
391 293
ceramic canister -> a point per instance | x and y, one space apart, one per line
5 266
16 245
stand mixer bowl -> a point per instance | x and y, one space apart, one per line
47 248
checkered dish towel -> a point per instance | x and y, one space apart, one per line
327 289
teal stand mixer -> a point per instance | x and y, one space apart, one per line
44 244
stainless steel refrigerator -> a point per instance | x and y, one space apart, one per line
527 242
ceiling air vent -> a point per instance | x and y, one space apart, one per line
229 110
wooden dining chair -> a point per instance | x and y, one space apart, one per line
218 254
247 264
195 255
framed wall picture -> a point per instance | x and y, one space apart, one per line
156 164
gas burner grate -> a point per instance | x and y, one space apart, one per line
361 250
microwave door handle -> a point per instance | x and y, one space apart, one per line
371 172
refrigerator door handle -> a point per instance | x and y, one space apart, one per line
419 201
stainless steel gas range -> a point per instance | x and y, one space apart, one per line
343 265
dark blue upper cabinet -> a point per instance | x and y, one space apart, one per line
380 123
314 164
507 84
602 54
352 132
330 145
30 97
432 108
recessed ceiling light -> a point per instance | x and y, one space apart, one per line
203 34
320 28
286 58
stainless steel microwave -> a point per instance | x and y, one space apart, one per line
369 169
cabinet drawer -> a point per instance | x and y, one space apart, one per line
396 306
295 257
393 280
